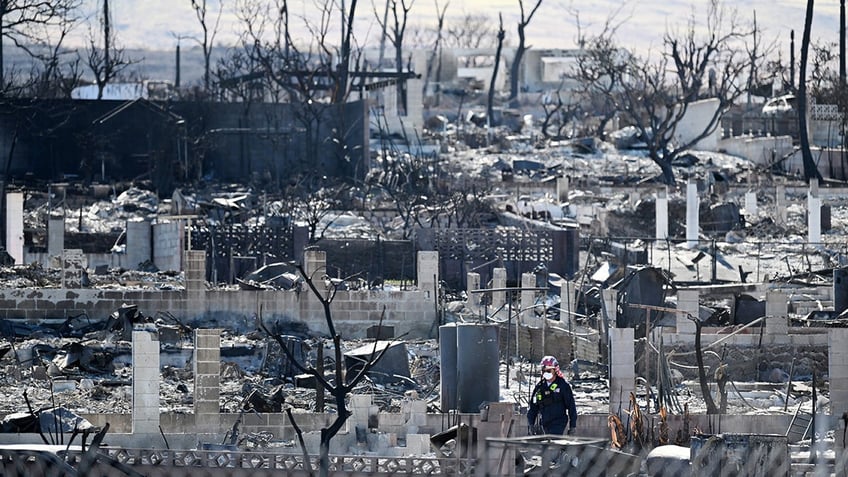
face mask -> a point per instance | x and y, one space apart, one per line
548 376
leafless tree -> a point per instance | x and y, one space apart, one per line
396 31
108 61
19 17
473 30
520 49
599 71
56 69
493 82
558 113
656 95
435 60
341 385
810 169
209 32
312 198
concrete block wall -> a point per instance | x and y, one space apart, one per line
139 243
168 246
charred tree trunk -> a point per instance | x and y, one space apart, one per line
810 170
702 374
501 33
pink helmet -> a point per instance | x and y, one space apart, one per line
549 362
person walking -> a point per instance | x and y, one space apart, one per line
552 401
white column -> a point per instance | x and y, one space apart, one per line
751 203
814 205
687 301
145 381
428 271
692 205
662 214
562 189
499 297
567 305
528 299
472 282
15 226
622 370
780 203
814 220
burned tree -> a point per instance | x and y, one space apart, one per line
396 31
520 49
208 36
18 19
340 385
656 95
108 61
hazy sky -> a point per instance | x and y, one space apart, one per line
154 23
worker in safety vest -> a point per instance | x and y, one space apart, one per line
552 402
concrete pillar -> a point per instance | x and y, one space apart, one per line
662 214
562 189
568 305
610 299
838 379
777 317
528 299
139 243
55 236
472 282
622 370
687 301
692 207
814 206
780 203
195 271
751 203
145 380
499 297
15 226
207 379
73 266
428 272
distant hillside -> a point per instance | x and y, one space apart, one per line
149 64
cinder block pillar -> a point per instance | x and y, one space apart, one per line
838 377
692 207
472 282
751 203
528 299
662 214
207 378
622 369
610 298
687 301
55 236
139 243
15 226
777 316
428 272
73 266
499 297
145 380
780 203
814 206
568 305
361 408
195 270
562 189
